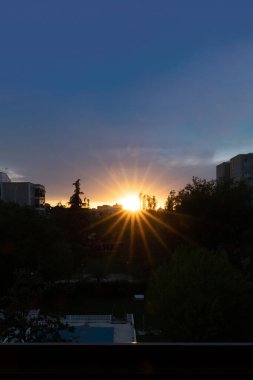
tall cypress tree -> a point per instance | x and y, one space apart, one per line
75 201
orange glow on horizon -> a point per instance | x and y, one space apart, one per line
122 186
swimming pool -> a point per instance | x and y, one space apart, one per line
87 334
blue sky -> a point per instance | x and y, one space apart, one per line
125 95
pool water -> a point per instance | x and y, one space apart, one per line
87 334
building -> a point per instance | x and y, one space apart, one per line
240 168
22 193
223 170
106 209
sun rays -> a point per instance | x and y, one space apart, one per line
137 230
133 235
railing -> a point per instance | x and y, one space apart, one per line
134 336
88 318
130 319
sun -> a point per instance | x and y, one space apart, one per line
131 203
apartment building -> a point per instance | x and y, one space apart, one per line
239 167
22 193
223 170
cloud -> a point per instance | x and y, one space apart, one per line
14 176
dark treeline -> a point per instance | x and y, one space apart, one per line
37 251
215 215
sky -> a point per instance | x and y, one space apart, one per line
129 96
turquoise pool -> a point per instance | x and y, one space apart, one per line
87 334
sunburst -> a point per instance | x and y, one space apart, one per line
133 224
131 203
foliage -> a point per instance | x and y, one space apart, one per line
98 268
195 196
212 213
18 324
56 263
21 327
199 297
148 202
171 201
31 242
208 197
75 200
73 222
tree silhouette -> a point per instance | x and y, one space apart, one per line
86 202
75 201
171 201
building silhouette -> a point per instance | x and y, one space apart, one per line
22 193
106 209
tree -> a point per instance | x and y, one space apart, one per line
75 201
98 268
18 324
153 203
86 202
199 297
171 202
212 213
202 197
142 198
147 202
196 197
20 327
57 262
31 242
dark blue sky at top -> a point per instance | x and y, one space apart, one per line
107 90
